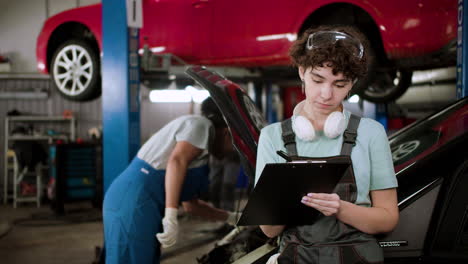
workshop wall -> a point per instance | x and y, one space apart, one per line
88 114
155 115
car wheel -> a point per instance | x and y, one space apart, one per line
75 71
381 84
385 85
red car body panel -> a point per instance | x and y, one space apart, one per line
259 33
90 16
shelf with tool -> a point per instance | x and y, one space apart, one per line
26 132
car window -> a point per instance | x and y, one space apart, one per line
430 150
429 135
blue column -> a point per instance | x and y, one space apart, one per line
381 114
258 88
120 88
270 109
462 55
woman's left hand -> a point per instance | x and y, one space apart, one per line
327 203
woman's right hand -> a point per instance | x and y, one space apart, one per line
327 203
168 237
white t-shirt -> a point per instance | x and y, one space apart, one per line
195 129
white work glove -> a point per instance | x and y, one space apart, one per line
273 259
170 228
232 218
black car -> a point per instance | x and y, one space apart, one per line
431 162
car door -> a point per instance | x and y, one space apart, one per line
243 117
178 27
430 160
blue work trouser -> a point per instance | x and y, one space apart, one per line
134 207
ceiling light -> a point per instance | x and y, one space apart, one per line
170 96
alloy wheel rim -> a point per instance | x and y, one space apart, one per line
73 70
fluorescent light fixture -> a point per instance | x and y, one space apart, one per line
289 36
197 95
178 96
170 96
354 99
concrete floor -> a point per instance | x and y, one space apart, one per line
30 235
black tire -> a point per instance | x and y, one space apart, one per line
75 71
381 86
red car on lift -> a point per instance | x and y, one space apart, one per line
404 36
431 164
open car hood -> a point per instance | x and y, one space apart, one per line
242 116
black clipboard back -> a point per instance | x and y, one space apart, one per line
276 198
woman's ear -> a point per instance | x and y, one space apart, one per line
301 71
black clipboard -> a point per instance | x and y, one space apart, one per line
276 198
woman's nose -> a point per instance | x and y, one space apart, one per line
326 92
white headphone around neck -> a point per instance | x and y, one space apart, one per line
335 124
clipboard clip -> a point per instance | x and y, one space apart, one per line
288 158
284 155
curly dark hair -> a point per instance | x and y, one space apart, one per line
340 55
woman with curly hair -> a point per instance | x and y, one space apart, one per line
330 60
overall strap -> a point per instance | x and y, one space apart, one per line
289 138
350 134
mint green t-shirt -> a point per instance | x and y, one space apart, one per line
371 156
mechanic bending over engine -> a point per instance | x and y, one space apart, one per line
140 206
330 60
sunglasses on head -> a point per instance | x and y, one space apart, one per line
325 38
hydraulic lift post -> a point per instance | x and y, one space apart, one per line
462 54
120 89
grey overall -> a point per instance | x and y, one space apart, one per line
328 240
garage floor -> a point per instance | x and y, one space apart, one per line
30 235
